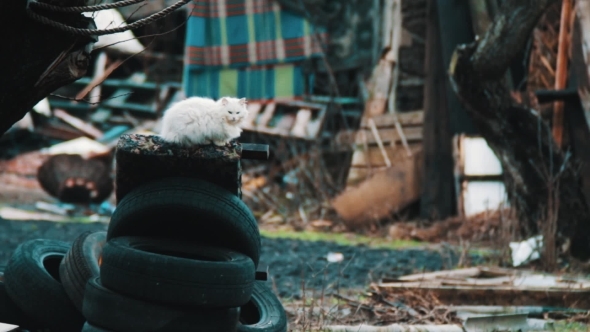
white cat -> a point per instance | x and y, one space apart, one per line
198 120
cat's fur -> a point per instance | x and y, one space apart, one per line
198 120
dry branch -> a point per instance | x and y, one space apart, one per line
517 135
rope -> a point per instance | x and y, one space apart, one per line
83 9
97 32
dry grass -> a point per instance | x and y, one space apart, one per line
373 307
484 228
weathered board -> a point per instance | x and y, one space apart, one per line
495 286
387 136
143 158
373 156
406 119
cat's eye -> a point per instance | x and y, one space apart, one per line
229 112
238 113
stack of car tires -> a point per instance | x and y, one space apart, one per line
179 255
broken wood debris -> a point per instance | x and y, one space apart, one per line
495 286
289 119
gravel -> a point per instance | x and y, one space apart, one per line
288 262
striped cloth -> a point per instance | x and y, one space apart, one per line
260 84
239 33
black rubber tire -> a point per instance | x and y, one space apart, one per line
190 209
80 264
93 328
121 313
32 281
156 270
263 313
10 313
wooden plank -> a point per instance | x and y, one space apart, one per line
265 117
94 85
379 142
302 119
122 83
406 119
438 199
561 70
378 87
302 104
460 273
77 123
372 156
384 193
59 131
388 136
336 100
505 296
393 57
255 151
387 20
253 110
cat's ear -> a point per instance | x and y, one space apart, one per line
224 101
243 102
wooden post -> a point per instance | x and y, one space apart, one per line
455 29
141 159
561 71
438 198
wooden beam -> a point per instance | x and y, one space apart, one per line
255 151
411 119
437 198
387 135
549 96
561 70
455 29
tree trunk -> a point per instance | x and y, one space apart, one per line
37 59
517 135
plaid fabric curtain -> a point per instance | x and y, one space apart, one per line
247 48
238 33
254 83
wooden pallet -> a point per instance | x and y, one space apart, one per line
295 119
378 148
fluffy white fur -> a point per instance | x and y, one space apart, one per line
198 120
